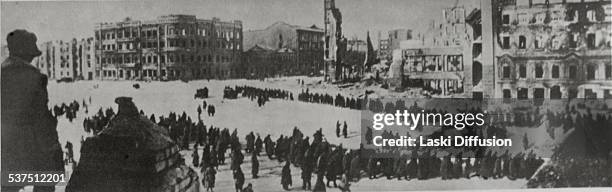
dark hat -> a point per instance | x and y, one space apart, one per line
22 42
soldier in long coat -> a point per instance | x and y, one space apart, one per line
497 168
195 157
319 185
209 178
400 168
286 176
458 166
258 145
444 167
371 168
345 130
337 128
250 139
254 165
306 174
239 179
355 169
29 135
412 168
468 168
237 159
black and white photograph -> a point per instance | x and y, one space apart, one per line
306 95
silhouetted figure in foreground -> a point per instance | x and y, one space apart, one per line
29 135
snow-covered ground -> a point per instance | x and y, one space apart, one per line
276 117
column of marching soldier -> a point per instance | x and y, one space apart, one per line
325 160
264 95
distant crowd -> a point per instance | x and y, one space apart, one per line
338 101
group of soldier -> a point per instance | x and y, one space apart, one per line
318 157
253 93
70 110
210 109
344 129
264 95
96 123
327 161
574 172
338 101
201 93
429 164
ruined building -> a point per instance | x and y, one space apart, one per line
261 61
439 70
552 48
439 60
304 42
170 47
526 49
480 49
394 38
335 43
132 154
72 59
384 51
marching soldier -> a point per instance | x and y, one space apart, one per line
344 130
337 128
254 165
258 145
209 178
239 179
306 174
195 157
286 176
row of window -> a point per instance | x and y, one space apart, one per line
555 15
540 42
129 74
304 46
180 58
538 72
149 33
430 63
554 93
172 43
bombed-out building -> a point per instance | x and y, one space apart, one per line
439 59
393 40
335 43
438 70
73 60
169 47
383 52
553 49
306 43
261 61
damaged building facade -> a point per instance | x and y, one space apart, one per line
260 62
437 70
67 60
524 49
296 51
335 43
438 60
170 47
553 49
393 40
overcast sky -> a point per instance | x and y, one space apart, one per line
63 20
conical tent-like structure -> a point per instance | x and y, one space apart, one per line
132 154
